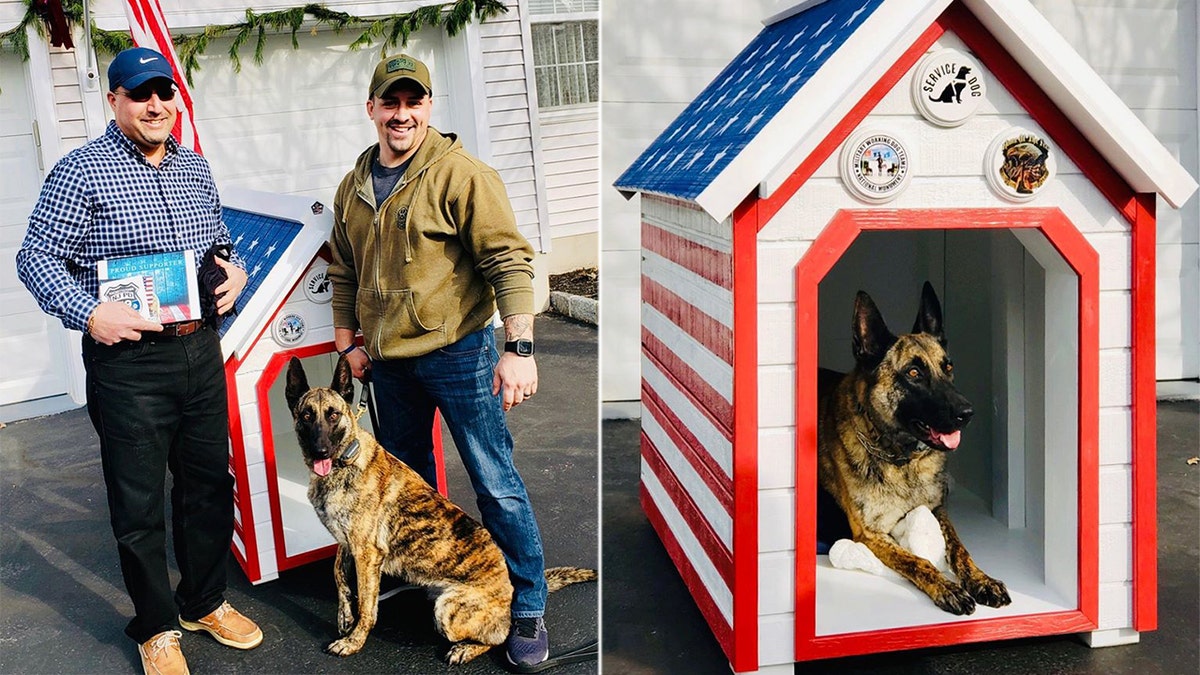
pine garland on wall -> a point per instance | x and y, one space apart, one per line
393 31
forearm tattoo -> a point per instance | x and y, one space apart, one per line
518 326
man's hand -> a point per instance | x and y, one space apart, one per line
516 376
359 362
228 292
115 321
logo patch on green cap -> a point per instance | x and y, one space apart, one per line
400 63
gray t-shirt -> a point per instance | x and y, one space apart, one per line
384 179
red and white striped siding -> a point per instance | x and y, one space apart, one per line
687 399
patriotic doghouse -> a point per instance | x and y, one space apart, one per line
874 145
283 312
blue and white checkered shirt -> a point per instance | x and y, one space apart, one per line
105 200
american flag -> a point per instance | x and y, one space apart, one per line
149 29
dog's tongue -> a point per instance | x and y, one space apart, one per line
321 467
949 440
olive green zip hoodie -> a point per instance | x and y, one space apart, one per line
437 258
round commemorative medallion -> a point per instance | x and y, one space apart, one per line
875 166
288 330
1019 163
947 87
317 286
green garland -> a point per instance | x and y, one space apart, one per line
393 30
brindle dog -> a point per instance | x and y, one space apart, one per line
884 432
387 519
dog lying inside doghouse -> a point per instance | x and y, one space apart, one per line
884 432
387 519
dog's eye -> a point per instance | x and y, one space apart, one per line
306 415
914 373
334 416
949 366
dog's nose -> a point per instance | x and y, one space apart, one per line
965 415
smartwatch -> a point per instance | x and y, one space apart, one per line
519 347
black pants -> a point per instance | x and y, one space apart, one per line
157 404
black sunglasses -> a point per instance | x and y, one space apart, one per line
165 91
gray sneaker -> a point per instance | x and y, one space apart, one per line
528 644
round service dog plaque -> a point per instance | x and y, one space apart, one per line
947 87
289 329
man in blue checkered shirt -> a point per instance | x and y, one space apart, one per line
156 394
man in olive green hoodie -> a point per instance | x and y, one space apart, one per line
425 249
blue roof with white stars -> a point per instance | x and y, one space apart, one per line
720 122
260 241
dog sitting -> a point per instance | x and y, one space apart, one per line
883 435
387 519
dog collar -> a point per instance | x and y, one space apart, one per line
350 451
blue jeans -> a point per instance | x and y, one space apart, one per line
457 380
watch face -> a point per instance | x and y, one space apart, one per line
520 347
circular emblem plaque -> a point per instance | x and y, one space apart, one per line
875 166
947 87
317 286
1018 164
288 330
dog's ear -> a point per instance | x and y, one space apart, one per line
929 316
297 383
343 380
872 338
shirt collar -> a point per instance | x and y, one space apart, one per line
114 132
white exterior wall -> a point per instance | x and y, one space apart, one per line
571 154
1146 51
947 172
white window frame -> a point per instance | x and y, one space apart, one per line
554 112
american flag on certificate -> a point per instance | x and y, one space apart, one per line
149 29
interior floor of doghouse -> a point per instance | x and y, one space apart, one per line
852 601
302 530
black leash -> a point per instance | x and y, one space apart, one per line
367 402
585 652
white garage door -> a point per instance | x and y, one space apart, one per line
32 345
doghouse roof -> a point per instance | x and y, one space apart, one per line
782 95
277 237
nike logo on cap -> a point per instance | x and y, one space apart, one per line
145 61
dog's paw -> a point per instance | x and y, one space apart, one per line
954 599
344 647
987 591
462 652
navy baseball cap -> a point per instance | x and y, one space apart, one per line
136 66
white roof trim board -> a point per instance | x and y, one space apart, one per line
810 114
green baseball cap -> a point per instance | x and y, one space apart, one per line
395 68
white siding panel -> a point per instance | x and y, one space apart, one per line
776 583
1116 552
777 396
1116 605
1116 428
1116 501
776 458
776 520
776 637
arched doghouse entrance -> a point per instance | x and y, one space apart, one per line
1021 295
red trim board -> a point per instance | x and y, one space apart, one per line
824 252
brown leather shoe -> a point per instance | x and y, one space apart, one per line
229 626
161 655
